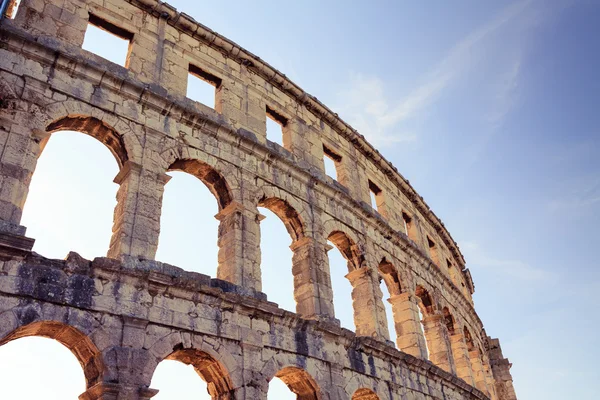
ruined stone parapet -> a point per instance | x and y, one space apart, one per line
501 370
130 307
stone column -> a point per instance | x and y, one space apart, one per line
136 225
489 380
461 358
312 280
367 318
478 372
19 151
410 338
239 246
438 343
254 384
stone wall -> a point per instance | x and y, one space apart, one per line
123 314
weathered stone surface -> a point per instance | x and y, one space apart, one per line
123 314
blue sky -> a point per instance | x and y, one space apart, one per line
489 109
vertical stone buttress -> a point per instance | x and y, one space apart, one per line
367 317
478 371
409 334
437 340
136 225
239 246
126 363
312 291
19 151
462 360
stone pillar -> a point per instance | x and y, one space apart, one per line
478 372
410 338
136 225
312 280
367 317
239 246
489 379
254 384
438 343
19 152
461 358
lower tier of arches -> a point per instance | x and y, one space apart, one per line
122 318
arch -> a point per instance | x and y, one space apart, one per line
448 320
212 178
365 394
216 376
95 128
299 382
426 302
389 274
86 352
349 249
200 352
286 213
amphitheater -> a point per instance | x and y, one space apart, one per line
123 312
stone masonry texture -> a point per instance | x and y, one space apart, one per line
123 312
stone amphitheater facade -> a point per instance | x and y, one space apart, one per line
124 312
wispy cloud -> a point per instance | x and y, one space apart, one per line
581 195
479 257
366 107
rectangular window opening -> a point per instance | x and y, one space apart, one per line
409 228
331 161
376 196
275 125
107 41
11 10
202 86
433 251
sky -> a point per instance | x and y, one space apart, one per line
490 109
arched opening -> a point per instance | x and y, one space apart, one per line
95 128
214 181
277 258
365 394
348 248
293 383
189 231
426 303
287 214
26 339
176 377
178 381
73 188
34 368
344 257
390 286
